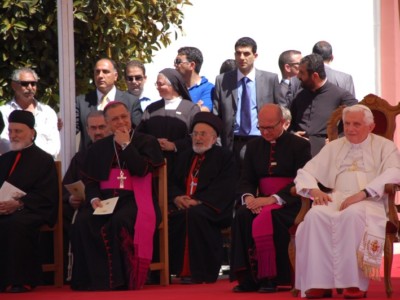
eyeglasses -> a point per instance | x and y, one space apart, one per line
268 128
200 134
160 84
136 77
27 83
178 61
294 64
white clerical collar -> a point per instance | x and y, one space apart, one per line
172 103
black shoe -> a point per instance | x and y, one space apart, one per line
18 289
267 286
189 280
244 288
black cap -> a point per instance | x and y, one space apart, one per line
208 118
22 116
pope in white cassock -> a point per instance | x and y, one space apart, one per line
340 242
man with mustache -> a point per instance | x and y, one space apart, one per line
135 78
24 84
114 251
105 75
33 171
314 104
96 129
201 196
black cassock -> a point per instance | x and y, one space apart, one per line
291 153
35 174
201 224
102 245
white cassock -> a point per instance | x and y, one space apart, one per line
341 249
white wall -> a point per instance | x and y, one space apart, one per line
214 26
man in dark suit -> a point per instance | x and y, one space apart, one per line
105 76
289 62
260 236
244 90
341 79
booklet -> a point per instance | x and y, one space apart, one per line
9 191
108 207
76 189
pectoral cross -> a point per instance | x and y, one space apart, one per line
192 185
121 179
353 167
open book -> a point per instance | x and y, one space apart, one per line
9 191
108 206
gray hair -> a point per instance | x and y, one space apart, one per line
94 113
15 76
287 116
368 116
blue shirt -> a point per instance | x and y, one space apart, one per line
251 85
202 91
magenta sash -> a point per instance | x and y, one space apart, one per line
140 259
262 228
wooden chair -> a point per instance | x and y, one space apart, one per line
385 120
57 230
163 264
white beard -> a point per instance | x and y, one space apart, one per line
201 149
16 146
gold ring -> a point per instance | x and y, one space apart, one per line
316 198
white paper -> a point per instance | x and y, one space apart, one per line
108 207
76 189
8 191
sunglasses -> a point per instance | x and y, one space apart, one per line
178 61
137 78
27 83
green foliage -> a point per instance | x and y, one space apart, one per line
119 29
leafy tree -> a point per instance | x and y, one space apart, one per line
119 29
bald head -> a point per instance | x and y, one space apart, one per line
270 110
270 121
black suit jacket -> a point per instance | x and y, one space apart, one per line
226 99
87 103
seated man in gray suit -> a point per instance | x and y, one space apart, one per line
105 75
240 93
341 79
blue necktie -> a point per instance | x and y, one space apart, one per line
245 112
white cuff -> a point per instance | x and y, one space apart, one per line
243 196
279 200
